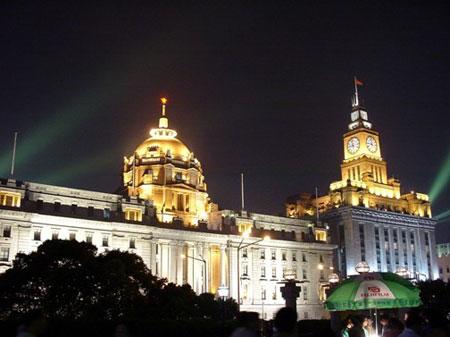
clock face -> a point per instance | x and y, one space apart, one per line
353 145
371 144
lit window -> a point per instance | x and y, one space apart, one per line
4 254
133 214
245 227
321 235
263 294
10 199
6 231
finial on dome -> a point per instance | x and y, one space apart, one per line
163 120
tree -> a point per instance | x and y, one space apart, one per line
435 295
66 279
69 280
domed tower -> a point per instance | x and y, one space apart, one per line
164 170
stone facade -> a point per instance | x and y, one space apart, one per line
443 260
36 212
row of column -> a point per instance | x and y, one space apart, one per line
180 262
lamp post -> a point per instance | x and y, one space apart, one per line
184 256
362 267
245 235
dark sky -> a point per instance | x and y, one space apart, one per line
261 88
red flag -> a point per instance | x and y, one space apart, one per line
358 82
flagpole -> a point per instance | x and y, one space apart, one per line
13 160
242 192
356 91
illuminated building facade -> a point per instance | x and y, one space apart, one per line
165 217
443 256
370 219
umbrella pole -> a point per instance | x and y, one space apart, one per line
376 322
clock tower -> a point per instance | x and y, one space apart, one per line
362 151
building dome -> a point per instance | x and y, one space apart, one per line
163 169
155 147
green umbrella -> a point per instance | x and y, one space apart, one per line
373 291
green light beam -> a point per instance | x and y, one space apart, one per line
83 168
443 216
441 181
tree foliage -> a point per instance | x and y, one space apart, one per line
69 280
435 295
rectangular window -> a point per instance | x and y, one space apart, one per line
72 236
274 272
4 254
263 294
305 275
132 243
105 241
106 213
245 269
320 258
55 236
294 256
6 231
262 253
90 211
263 272
244 252
304 257
133 214
283 255
273 254
57 206
10 199
89 237
37 235
180 202
362 242
305 293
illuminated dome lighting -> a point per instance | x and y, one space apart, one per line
402 271
333 278
362 267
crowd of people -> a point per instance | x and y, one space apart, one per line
415 324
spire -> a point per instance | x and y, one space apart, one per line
163 120
359 117
163 130
355 101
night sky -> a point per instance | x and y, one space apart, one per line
259 89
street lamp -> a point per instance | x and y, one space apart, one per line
245 235
184 256
403 272
333 278
362 267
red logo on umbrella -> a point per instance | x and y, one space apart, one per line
373 289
